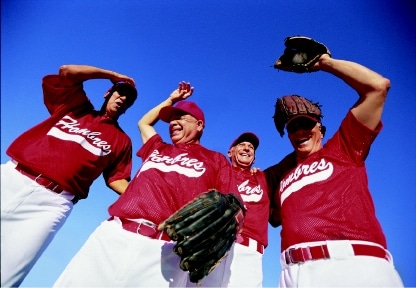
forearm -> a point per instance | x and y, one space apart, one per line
147 122
149 119
358 77
119 186
75 74
81 73
371 87
152 116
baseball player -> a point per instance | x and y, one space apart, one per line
243 265
55 162
330 234
128 249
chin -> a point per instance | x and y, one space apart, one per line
303 152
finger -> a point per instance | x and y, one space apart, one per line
191 90
187 86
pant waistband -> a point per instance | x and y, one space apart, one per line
42 180
250 243
318 252
142 227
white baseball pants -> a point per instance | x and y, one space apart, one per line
30 217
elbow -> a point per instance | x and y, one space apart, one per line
140 124
382 86
70 70
63 70
67 72
69 75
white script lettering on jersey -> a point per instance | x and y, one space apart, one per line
181 164
250 194
305 175
67 129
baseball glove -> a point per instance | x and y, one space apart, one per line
300 54
290 106
204 230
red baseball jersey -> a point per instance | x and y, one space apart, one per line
326 197
170 177
75 144
252 189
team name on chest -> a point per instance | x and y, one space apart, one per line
181 163
69 129
249 193
247 189
305 174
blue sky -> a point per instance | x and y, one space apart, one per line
226 49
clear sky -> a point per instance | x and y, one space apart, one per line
226 49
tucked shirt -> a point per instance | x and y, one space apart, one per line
326 197
170 177
76 143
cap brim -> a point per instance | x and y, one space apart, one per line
247 137
166 113
304 116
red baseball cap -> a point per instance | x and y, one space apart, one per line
247 137
184 107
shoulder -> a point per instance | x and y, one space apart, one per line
287 162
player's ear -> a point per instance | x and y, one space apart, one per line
323 130
229 153
200 125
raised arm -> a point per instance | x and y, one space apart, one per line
371 87
149 119
70 75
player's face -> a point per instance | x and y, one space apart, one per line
116 105
185 129
242 155
305 136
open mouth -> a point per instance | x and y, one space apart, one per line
175 131
119 104
302 141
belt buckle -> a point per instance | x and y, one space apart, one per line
39 177
147 224
288 256
51 185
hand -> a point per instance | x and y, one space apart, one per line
318 64
254 170
117 77
184 91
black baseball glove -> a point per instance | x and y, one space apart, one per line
300 54
204 229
